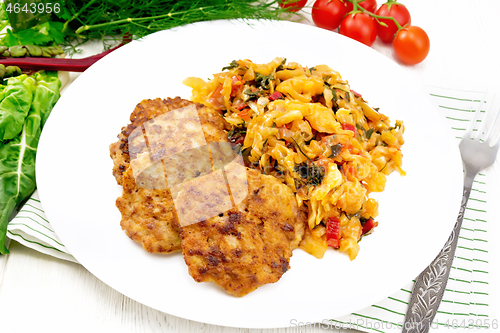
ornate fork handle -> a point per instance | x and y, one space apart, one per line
431 283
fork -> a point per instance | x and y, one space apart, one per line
478 151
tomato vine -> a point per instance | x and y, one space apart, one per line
359 20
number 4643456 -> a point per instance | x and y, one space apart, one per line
33 8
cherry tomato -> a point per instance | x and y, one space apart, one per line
359 26
328 14
411 45
292 6
396 10
369 5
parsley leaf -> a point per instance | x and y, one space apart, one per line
43 34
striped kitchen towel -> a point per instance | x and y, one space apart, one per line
465 302
31 228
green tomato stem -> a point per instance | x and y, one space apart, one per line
389 3
356 8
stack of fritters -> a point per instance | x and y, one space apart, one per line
240 249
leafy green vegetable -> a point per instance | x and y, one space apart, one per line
44 34
236 133
369 133
282 65
233 64
99 19
28 13
46 95
140 18
249 94
15 105
17 170
4 20
264 81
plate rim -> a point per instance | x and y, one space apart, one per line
84 75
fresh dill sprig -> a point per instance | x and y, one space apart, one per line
96 19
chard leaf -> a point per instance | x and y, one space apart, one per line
233 64
17 179
17 170
15 105
369 133
264 81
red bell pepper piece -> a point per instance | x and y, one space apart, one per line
356 94
240 106
275 95
216 99
236 86
368 225
244 114
350 127
333 232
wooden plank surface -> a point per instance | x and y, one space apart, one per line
39 293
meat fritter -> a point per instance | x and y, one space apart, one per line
148 214
248 244
211 121
251 244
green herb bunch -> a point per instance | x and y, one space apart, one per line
100 19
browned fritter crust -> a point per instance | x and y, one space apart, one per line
249 245
148 216
211 121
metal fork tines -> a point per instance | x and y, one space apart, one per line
478 148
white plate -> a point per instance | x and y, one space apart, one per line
78 191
